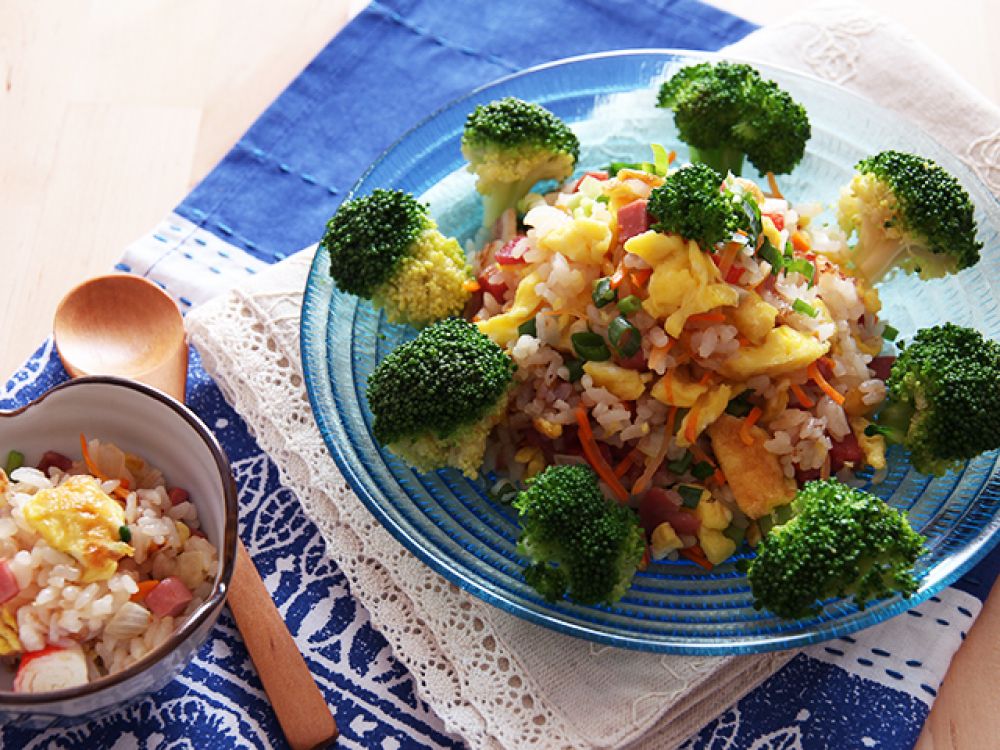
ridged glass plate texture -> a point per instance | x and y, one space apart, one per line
451 523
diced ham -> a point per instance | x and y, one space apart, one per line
50 459
657 506
881 367
632 220
845 451
178 495
8 583
169 598
485 285
509 255
636 362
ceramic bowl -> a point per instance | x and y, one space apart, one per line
148 423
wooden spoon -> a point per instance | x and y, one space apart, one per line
125 325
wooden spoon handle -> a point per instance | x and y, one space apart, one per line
297 701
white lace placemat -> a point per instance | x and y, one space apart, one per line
497 680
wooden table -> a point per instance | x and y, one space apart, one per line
112 110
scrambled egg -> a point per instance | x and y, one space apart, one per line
685 281
81 520
753 472
677 389
502 329
582 240
783 350
754 317
628 385
708 408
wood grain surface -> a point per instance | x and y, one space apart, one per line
111 111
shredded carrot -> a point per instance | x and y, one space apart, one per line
121 491
144 588
657 357
691 428
91 466
774 186
826 361
729 257
705 378
743 340
640 277
799 242
748 422
800 394
719 477
470 285
644 562
671 420
618 276
626 462
696 555
708 317
700 455
594 457
661 455
828 389
670 157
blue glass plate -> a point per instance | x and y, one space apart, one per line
450 523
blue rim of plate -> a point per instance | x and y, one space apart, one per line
372 491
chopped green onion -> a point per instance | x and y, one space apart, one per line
702 470
625 337
528 328
801 306
647 167
15 460
739 406
630 304
590 347
690 495
125 534
681 464
803 266
783 513
616 166
735 533
661 161
890 333
603 199
752 211
770 253
575 368
603 293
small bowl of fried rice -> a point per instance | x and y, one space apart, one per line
118 524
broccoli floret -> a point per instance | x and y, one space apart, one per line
944 398
911 214
385 247
727 111
512 144
840 542
581 543
692 203
436 398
